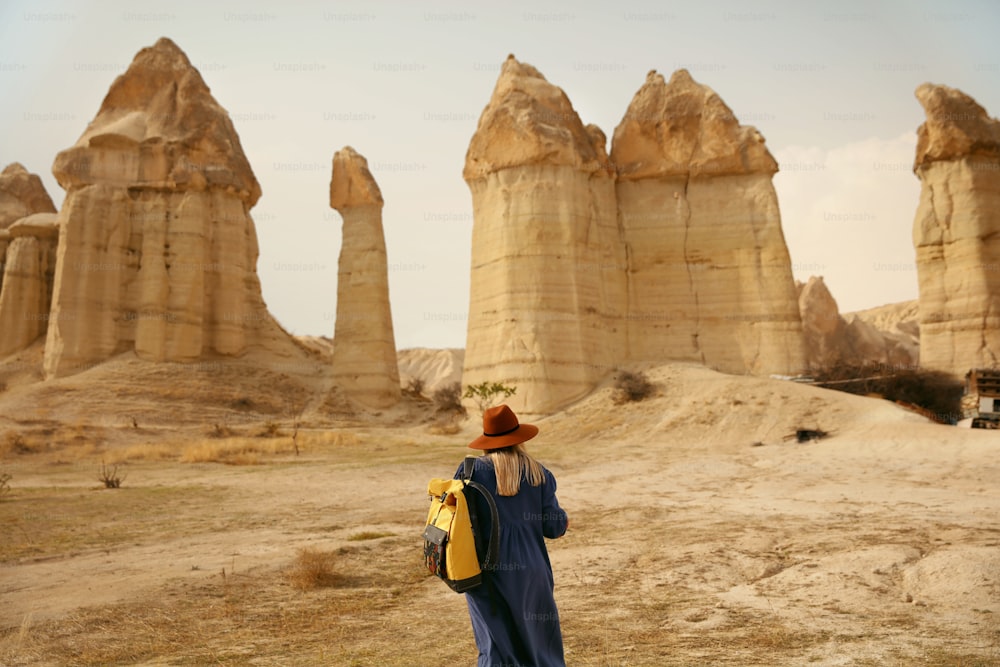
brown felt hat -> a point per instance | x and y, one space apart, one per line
501 429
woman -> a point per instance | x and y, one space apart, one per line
513 612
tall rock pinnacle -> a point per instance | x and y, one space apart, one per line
364 347
546 278
956 232
158 251
709 274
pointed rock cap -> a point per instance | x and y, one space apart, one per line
956 126
351 183
529 121
21 193
684 128
167 129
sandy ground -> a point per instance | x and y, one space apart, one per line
701 533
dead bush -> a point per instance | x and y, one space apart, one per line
313 568
936 392
449 399
109 476
631 387
4 484
270 429
414 388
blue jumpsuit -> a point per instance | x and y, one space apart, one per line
513 613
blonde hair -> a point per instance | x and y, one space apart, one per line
510 464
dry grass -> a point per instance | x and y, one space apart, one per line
234 451
313 568
40 523
369 535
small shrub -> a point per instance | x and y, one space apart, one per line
4 484
109 476
414 388
936 392
631 387
221 431
449 399
269 430
486 393
313 568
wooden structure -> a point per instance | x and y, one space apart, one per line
981 401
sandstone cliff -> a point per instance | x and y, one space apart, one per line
956 232
709 275
28 237
833 340
364 349
547 285
158 251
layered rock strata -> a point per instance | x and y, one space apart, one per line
364 349
672 250
28 274
956 232
28 237
547 278
709 275
157 250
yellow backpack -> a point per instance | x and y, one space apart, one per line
453 530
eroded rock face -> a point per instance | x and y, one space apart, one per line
28 273
547 279
28 235
672 250
833 340
21 194
956 232
709 275
157 251
364 347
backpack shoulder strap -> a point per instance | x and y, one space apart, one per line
493 548
467 465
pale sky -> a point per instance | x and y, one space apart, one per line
829 85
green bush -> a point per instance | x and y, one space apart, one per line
486 394
449 399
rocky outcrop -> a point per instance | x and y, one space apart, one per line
21 194
364 348
833 340
956 232
547 279
672 250
709 275
28 236
157 251
28 273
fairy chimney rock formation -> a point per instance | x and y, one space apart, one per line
546 280
364 348
709 275
158 251
956 232
28 237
